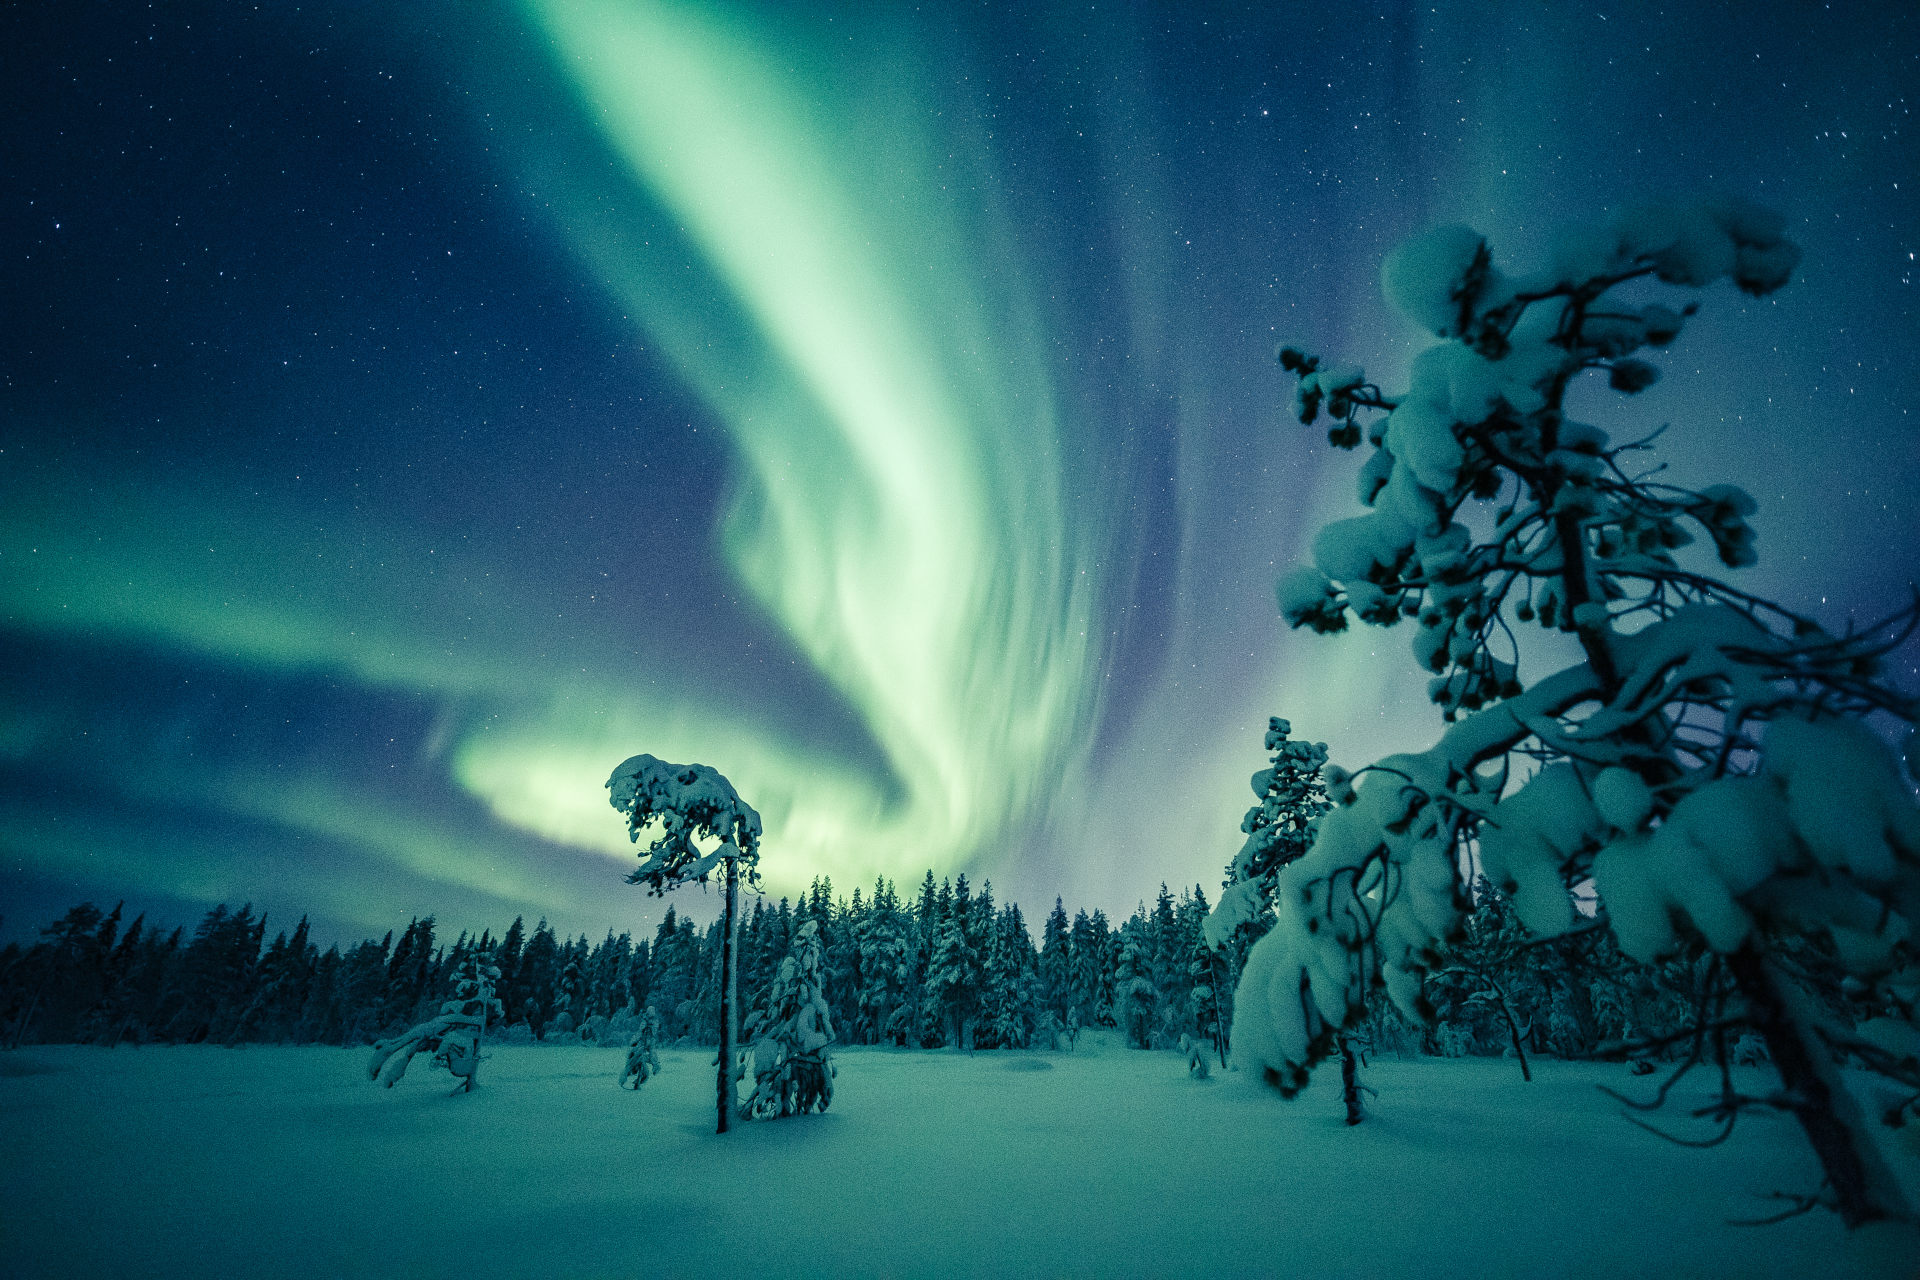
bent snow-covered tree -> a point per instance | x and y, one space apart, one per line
792 1070
452 1037
690 802
1706 761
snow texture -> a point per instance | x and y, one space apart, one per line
1437 276
201 1161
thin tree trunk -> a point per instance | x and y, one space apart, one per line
480 1035
1219 1010
1513 1029
1580 1002
20 1027
729 967
1865 1189
1350 1081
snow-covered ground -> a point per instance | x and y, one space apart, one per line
287 1162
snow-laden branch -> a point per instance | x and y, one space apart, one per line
687 801
1707 769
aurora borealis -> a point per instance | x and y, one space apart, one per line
409 415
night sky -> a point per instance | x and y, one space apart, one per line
407 412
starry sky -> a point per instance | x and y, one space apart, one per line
409 412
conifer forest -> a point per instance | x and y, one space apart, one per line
946 968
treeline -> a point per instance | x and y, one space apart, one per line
945 968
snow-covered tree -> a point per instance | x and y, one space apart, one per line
1704 759
452 1036
1196 1051
1134 995
792 1068
568 1010
1056 962
1006 986
885 966
1092 971
691 801
953 975
845 976
1289 799
533 985
643 1058
1203 966
1491 953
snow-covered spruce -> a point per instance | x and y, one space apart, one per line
1134 994
1289 799
1705 760
643 1058
792 1068
452 1036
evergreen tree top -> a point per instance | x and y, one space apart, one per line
686 801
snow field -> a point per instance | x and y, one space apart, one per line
1106 1162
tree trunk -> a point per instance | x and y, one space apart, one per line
1350 1081
1219 1008
479 1036
26 1017
1580 1001
729 970
1864 1188
1513 1029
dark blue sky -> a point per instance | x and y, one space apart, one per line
405 419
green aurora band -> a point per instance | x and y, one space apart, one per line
812 238
984 304
902 508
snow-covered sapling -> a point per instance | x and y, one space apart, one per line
1196 1051
643 1058
1704 760
1289 798
1134 993
1490 943
792 1068
691 801
452 1036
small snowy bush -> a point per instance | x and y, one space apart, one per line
452 1037
643 1058
1704 761
1196 1052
